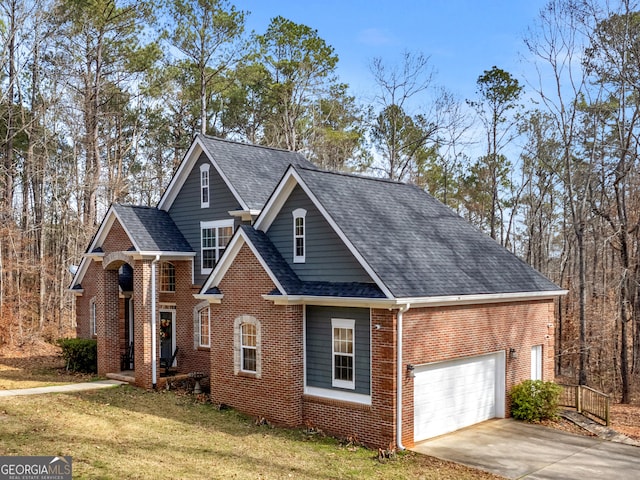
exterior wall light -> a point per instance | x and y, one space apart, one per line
411 370
513 354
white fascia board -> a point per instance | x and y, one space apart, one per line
228 257
280 196
82 269
277 199
181 174
78 292
447 300
98 239
416 302
331 301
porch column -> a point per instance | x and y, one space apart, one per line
142 322
107 322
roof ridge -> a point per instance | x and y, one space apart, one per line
355 175
245 144
131 205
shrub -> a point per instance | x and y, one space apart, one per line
81 354
535 400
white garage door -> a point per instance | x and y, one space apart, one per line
458 393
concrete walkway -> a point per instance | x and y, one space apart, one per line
73 387
518 450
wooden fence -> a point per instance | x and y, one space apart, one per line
587 400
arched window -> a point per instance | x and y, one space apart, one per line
167 277
299 233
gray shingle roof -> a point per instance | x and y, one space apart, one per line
415 244
293 285
254 171
152 230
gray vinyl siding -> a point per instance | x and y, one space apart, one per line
318 346
327 258
187 213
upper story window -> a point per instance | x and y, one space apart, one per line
214 238
343 361
167 277
204 185
299 232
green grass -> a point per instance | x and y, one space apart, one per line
126 432
39 371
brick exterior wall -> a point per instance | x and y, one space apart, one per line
277 393
437 334
101 285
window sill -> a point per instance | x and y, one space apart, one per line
204 349
247 374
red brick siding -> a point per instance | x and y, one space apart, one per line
277 394
103 286
117 239
437 334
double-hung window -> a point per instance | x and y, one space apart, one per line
204 326
204 185
214 238
249 344
299 235
343 358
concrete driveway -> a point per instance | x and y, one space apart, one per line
519 450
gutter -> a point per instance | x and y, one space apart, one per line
154 347
400 372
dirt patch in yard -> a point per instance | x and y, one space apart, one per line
34 364
626 419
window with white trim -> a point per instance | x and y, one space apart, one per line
248 337
343 353
299 235
93 328
214 238
167 277
204 185
204 327
247 355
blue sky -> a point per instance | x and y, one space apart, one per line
462 37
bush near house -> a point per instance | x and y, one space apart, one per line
80 354
535 400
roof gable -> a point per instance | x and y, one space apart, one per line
251 172
150 231
414 245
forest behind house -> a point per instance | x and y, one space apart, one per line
99 100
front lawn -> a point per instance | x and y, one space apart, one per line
125 432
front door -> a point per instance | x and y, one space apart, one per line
167 333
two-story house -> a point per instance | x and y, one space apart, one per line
361 306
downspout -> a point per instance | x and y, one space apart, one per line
399 380
154 373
